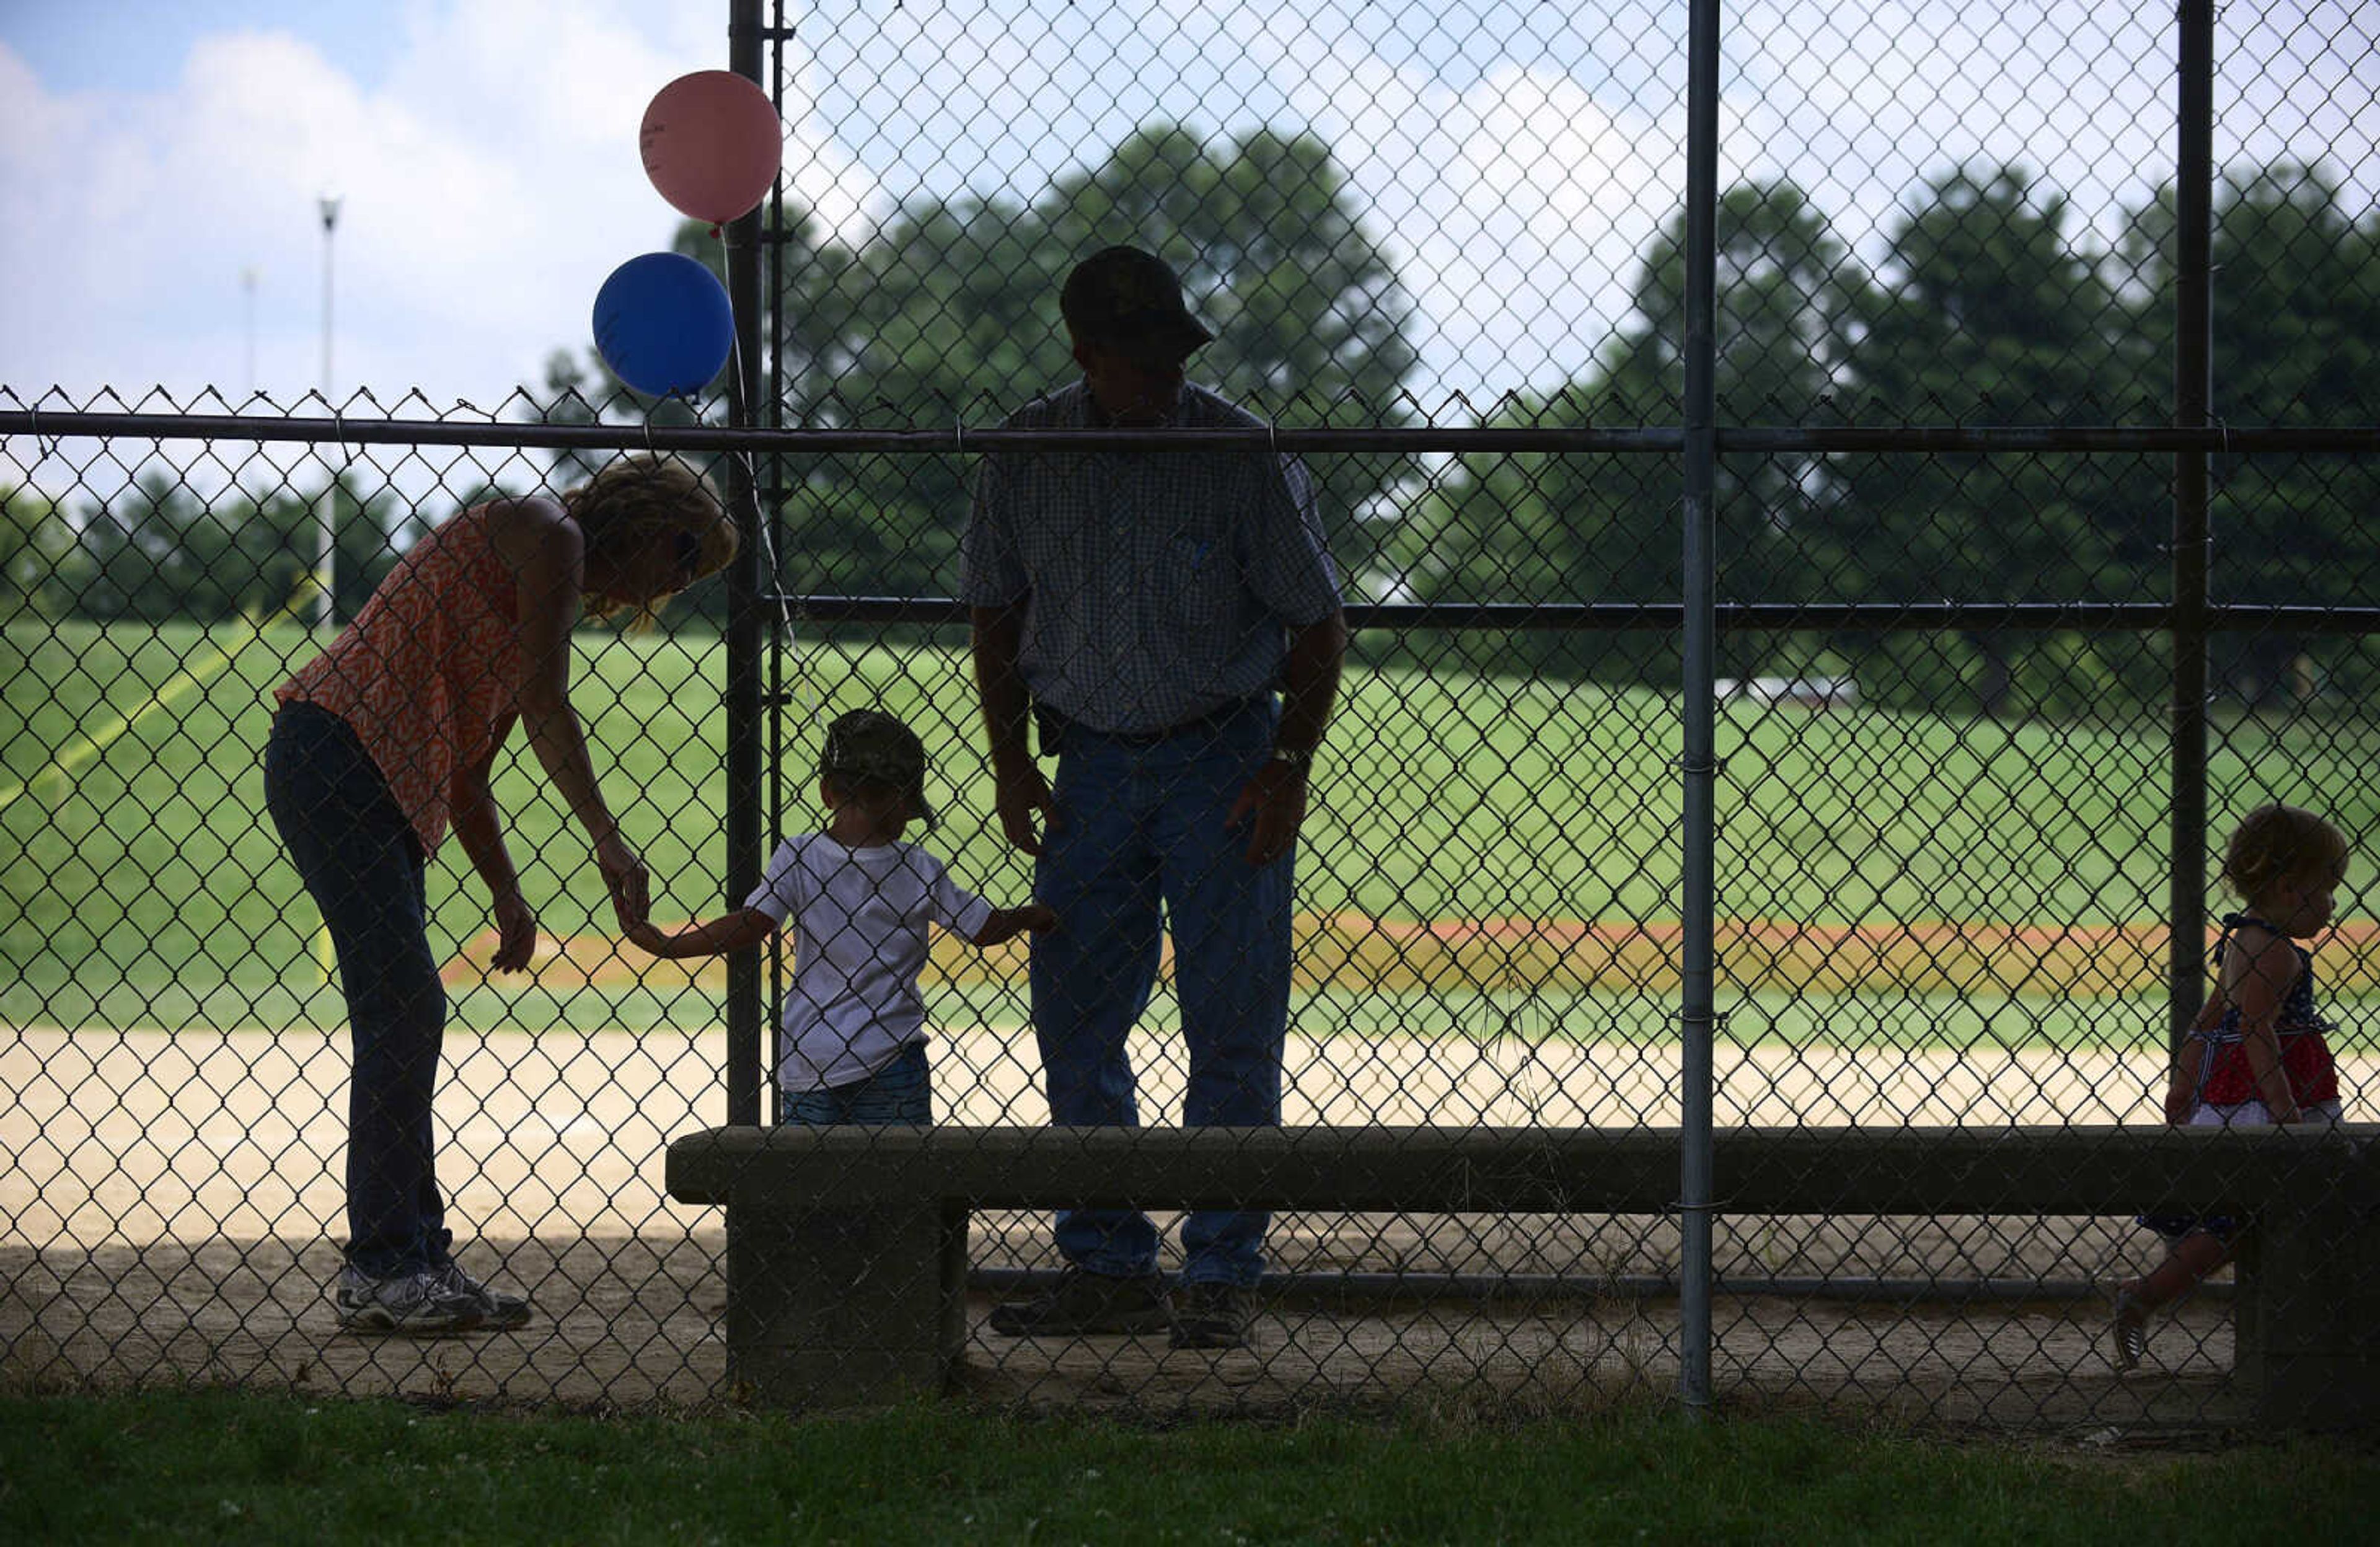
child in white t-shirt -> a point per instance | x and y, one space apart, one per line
859 901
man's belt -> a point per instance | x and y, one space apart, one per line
1055 728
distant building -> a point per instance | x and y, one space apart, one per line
1807 692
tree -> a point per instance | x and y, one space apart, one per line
371 535
1559 528
948 317
1543 528
135 559
273 543
33 539
1786 301
1306 308
157 552
2296 342
941 322
1989 313
1311 325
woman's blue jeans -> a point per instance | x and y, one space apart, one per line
364 868
1141 841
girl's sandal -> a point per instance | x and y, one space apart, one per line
2128 1338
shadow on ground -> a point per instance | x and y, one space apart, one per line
633 1324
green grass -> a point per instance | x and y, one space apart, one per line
145 887
221 1467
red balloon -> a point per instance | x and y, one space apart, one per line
711 144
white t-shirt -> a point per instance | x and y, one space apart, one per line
859 917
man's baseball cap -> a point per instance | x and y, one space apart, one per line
1129 300
871 745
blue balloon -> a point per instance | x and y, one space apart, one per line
663 324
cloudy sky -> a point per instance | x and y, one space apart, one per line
1514 158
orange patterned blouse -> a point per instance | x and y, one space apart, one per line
428 670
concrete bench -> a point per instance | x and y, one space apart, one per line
846 1247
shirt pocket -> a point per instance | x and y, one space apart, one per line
1194 582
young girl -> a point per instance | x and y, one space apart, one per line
859 900
2257 1055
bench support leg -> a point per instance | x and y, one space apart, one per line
860 1305
2307 1317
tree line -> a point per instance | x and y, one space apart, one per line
1989 304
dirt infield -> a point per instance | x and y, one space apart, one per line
174 1199
133 1137
1357 952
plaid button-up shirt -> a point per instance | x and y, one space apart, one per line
1160 585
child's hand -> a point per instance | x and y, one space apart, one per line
2181 1085
1007 923
644 936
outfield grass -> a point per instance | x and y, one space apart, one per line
219 1467
146 888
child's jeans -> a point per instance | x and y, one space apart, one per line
900 1092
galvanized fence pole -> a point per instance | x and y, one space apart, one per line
743 637
1696 1016
2192 395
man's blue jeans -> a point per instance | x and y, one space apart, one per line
1141 827
364 868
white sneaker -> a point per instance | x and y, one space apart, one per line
419 1304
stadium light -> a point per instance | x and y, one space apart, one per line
326 534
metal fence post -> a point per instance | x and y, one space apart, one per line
1696 691
744 586
2193 383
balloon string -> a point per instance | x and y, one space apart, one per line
763 525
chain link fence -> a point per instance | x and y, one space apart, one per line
2010 630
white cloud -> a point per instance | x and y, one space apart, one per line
491 180
1521 208
1862 107
1516 159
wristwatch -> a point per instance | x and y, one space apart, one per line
1295 759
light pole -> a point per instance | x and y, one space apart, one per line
326 533
248 277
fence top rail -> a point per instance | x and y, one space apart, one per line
1666 617
44 424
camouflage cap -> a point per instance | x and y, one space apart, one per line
870 745
1129 300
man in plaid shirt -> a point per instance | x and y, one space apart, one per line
1171 622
